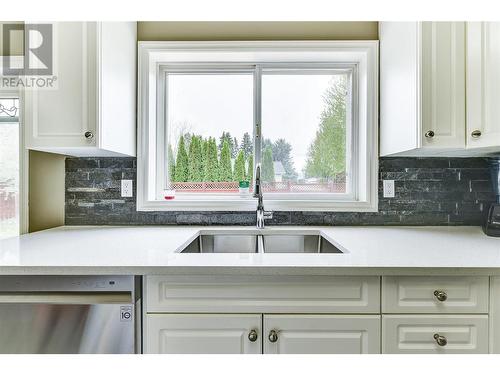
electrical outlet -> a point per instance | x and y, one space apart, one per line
127 188
389 190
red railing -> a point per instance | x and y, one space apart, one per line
271 187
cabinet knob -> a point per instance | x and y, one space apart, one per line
440 295
475 134
252 335
89 135
273 336
440 340
429 134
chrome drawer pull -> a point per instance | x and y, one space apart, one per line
273 336
440 295
429 134
440 340
476 134
252 335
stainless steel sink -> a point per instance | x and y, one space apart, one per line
292 243
261 243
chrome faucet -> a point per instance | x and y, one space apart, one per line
262 214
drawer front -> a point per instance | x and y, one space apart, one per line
441 294
416 334
265 294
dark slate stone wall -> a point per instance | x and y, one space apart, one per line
429 191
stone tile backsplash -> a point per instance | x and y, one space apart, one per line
429 191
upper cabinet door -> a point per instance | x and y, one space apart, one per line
442 84
60 117
92 109
483 84
422 88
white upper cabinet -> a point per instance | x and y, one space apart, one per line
437 88
422 87
483 85
92 112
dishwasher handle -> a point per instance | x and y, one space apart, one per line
70 298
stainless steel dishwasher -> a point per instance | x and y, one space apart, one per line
69 314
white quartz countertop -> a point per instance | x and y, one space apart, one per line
156 250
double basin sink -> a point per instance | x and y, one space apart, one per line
261 243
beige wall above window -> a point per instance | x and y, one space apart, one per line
185 31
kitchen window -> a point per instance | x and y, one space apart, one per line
11 168
209 112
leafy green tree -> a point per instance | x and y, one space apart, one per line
282 152
195 173
246 144
225 169
171 163
211 163
326 154
267 165
249 175
239 167
181 162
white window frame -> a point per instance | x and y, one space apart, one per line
154 57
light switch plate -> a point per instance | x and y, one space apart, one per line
389 189
126 189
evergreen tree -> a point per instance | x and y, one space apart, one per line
239 167
171 164
235 148
282 152
267 165
226 136
187 140
195 173
204 147
246 144
225 170
250 168
211 163
326 154
181 162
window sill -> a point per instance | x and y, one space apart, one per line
250 204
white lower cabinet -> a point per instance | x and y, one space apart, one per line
322 315
203 334
321 334
427 334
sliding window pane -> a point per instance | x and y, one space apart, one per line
306 130
210 132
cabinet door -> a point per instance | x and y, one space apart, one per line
443 84
203 334
483 81
60 117
321 334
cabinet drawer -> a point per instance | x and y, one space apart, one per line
438 294
203 334
264 294
415 334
